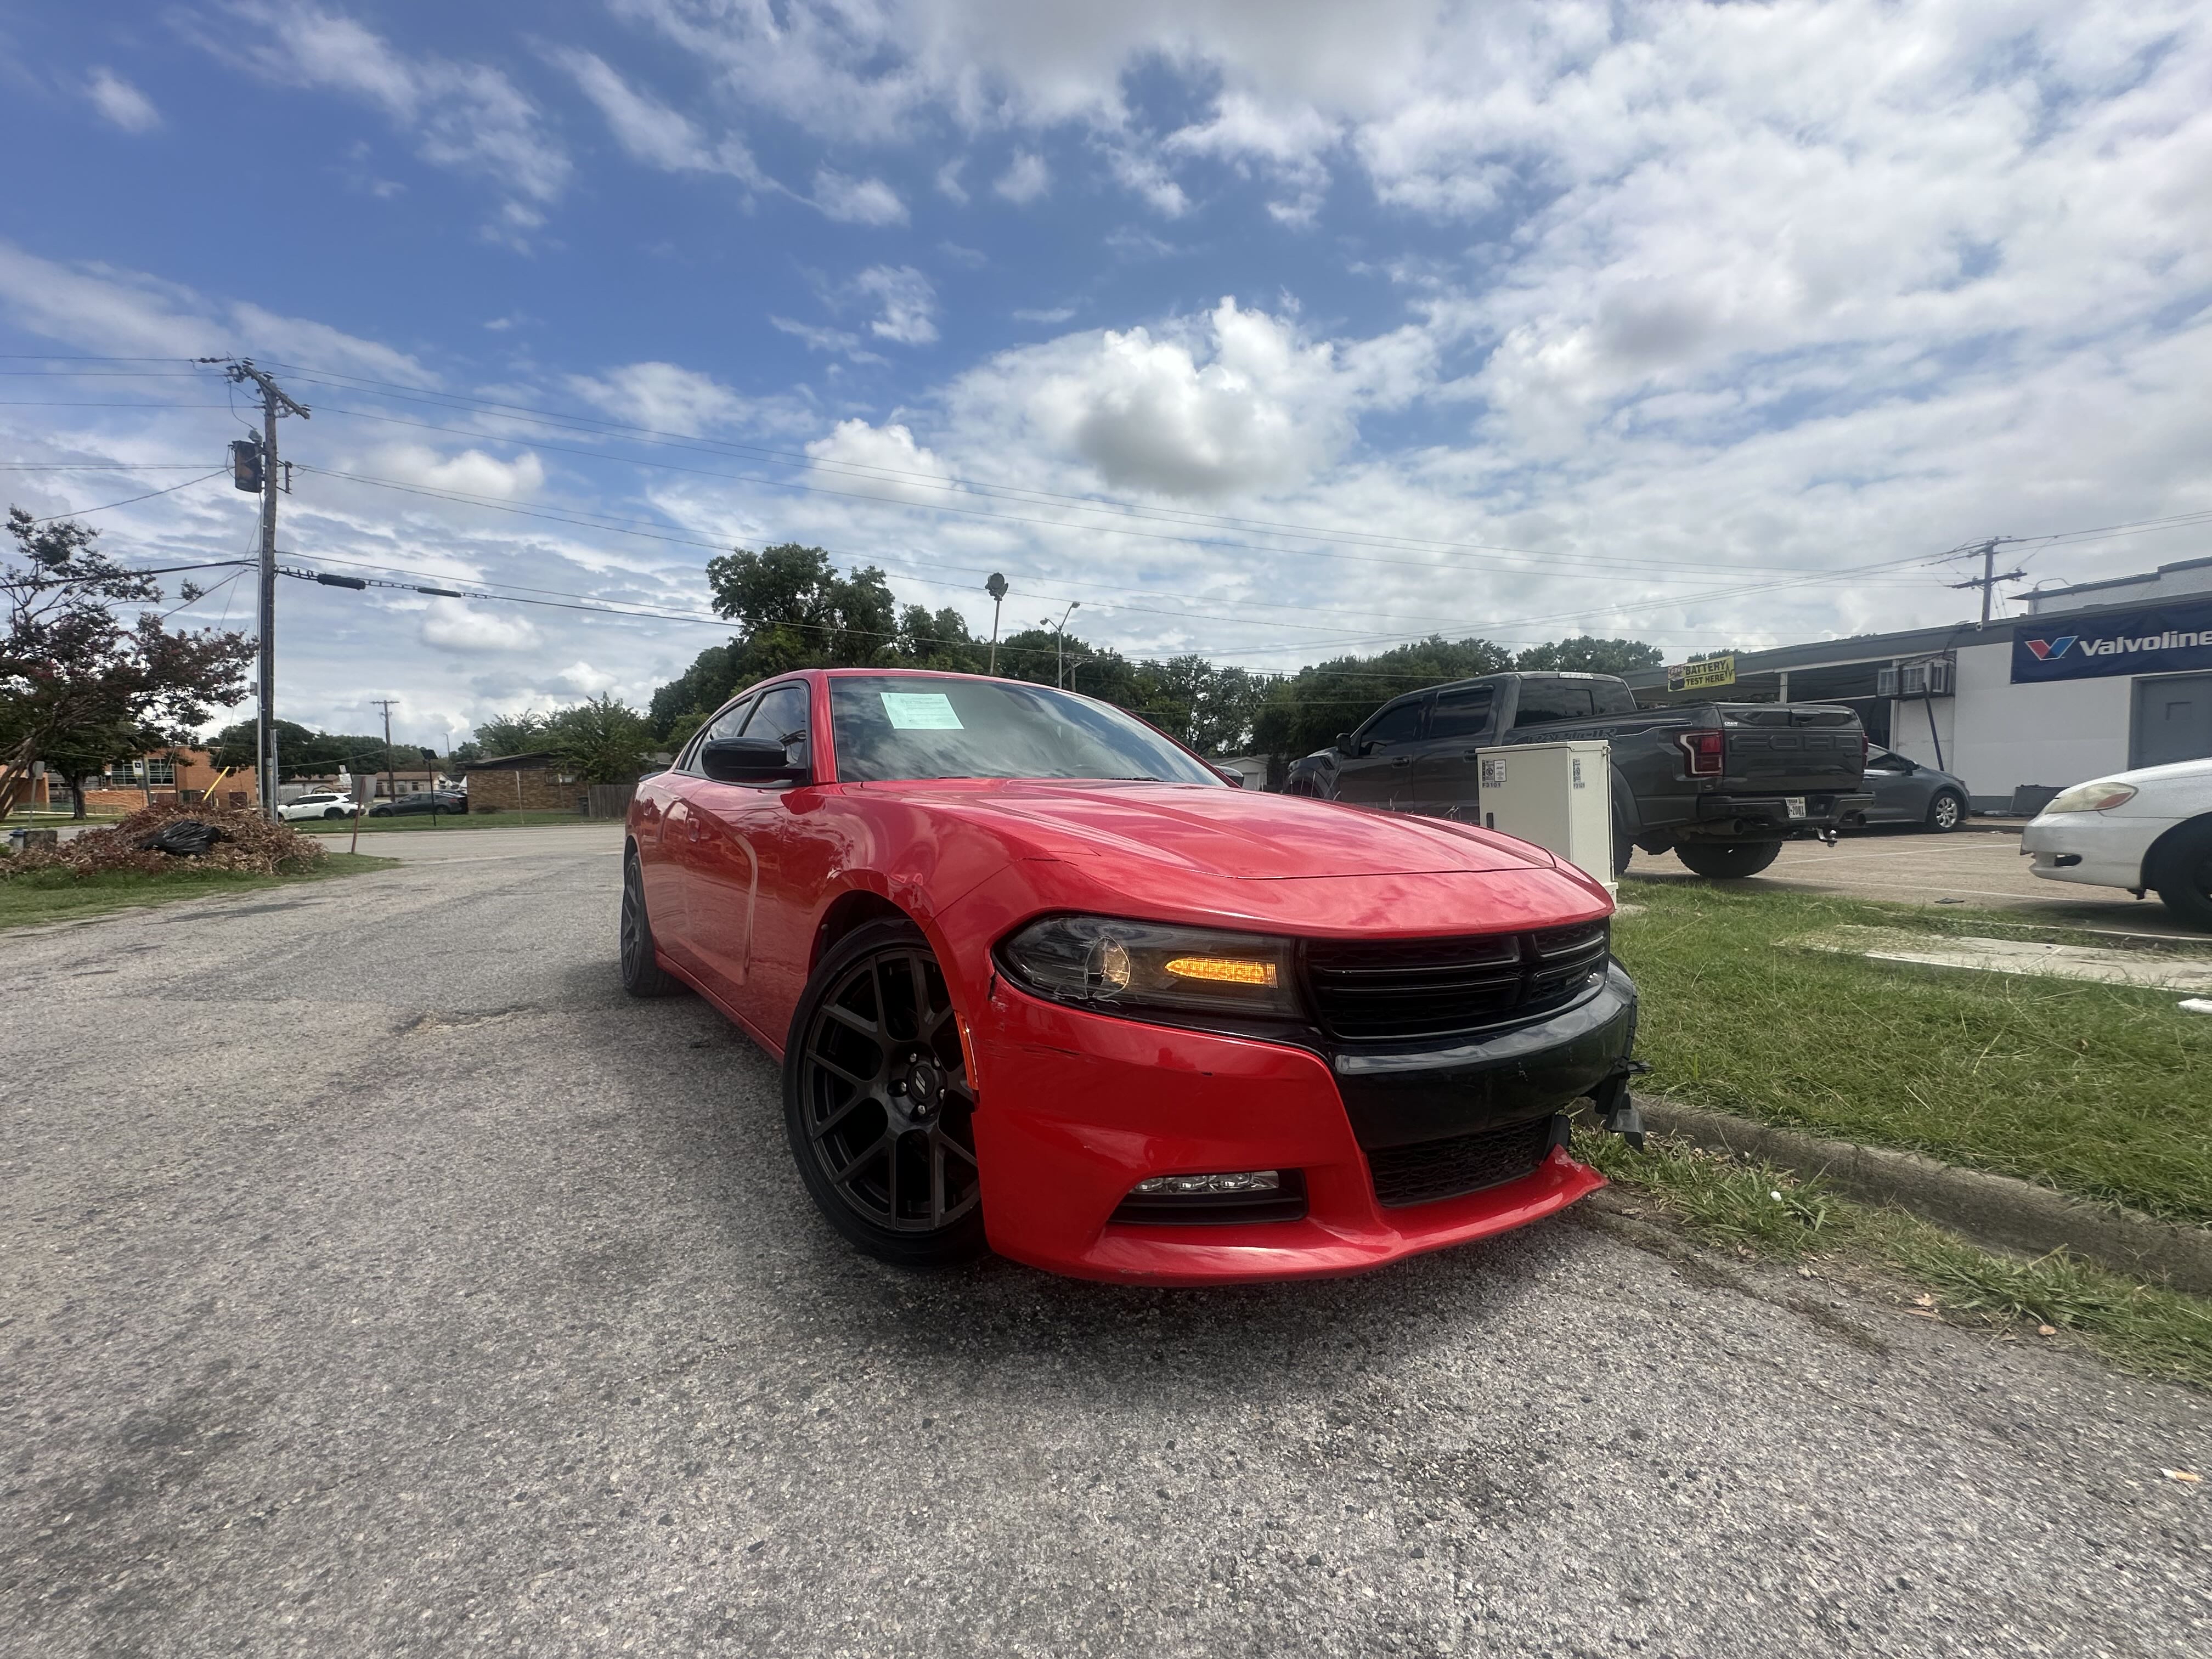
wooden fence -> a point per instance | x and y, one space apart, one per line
608 800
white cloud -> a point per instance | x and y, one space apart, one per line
909 302
856 455
455 625
1234 403
467 117
835 340
129 313
1026 179
663 397
121 103
650 131
857 201
1056 314
948 181
471 472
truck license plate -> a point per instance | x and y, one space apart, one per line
1794 806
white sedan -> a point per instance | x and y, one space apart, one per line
2149 830
320 805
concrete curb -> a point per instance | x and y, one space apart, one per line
1993 1210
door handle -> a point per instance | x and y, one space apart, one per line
1402 760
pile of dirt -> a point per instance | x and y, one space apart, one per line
241 839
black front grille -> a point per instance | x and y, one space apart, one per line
1432 1169
1378 989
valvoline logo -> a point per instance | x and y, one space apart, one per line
2044 650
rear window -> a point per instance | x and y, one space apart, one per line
1462 713
924 725
1613 698
1544 700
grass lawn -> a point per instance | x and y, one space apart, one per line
443 822
55 896
2095 1089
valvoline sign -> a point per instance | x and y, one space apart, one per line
2171 638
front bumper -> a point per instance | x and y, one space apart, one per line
2099 849
1075 1108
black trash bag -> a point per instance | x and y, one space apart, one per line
187 838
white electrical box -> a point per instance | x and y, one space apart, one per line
1558 795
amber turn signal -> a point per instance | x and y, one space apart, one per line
1222 970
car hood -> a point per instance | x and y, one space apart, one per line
1240 834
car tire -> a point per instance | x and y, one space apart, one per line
333 813
878 1103
1624 850
2182 875
1728 860
1946 811
643 975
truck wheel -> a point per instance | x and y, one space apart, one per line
1946 811
1725 861
2184 876
1624 848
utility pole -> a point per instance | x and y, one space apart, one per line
391 784
996 588
1988 581
274 402
1060 641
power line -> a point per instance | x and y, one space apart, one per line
171 489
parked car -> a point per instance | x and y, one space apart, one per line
432 801
1721 784
1040 979
1907 790
2147 830
322 803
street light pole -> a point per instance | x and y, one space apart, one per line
996 588
1060 642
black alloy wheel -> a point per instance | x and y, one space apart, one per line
2182 875
1727 861
643 975
878 1102
334 811
1946 811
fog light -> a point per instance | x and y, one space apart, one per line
1244 1181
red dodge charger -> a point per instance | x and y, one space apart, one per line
1041 980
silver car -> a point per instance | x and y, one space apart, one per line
1909 792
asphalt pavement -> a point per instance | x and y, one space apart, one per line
378 1279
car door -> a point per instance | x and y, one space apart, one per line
1890 780
1379 770
739 885
684 911
1461 721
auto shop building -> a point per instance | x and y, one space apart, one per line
2095 678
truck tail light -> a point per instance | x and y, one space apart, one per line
1703 753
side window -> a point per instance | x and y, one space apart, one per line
1543 701
1391 727
781 715
1462 714
727 724
1614 698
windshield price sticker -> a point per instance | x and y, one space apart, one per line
920 711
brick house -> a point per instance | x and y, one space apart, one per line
167 774
535 782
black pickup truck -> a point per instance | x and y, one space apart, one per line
1723 784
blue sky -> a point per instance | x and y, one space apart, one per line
1263 330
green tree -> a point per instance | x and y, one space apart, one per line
602 739
1305 711
73 672
512 734
1585 655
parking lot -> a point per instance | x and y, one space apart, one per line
380 1280
1978 865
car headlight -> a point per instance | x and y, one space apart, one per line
2092 797
1144 966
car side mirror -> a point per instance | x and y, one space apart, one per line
749 760
1344 743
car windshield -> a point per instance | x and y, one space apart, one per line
919 726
